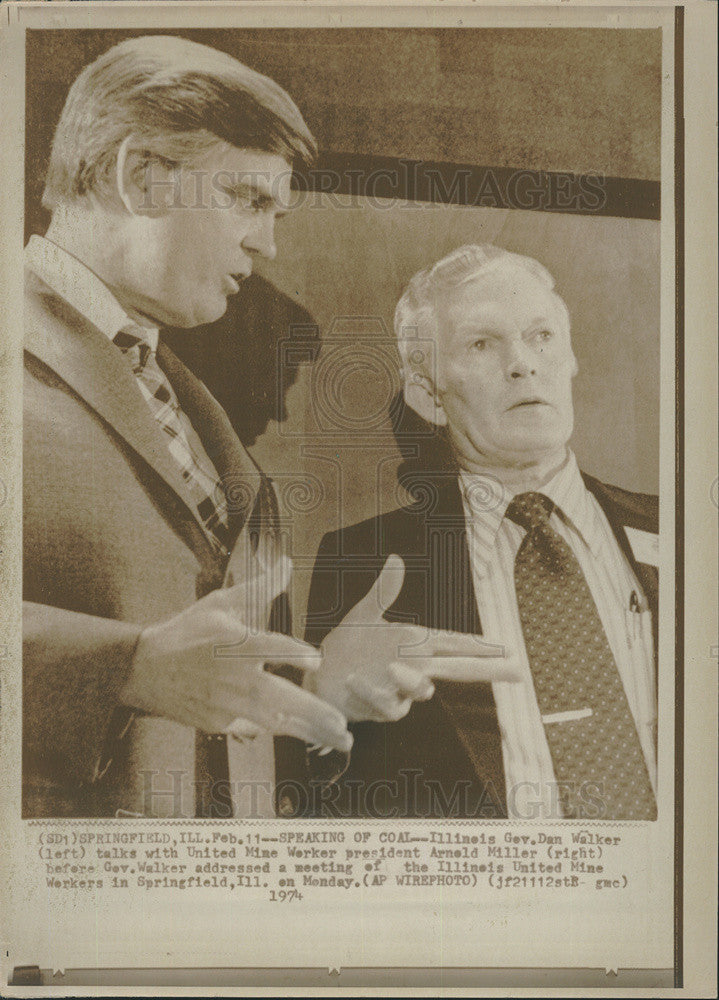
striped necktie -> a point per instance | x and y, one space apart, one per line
596 753
197 471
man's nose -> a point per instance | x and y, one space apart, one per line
261 237
519 362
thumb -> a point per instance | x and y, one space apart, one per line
382 595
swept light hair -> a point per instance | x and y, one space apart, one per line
180 99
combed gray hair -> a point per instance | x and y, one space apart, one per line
415 315
180 99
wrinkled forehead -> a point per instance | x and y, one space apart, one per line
502 295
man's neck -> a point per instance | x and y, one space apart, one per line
520 478
79 233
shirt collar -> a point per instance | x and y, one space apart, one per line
486 500
574 503
81 288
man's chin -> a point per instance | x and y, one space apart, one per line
200 317
544 432
528 454
214 315
520 450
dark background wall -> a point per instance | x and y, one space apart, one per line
577 101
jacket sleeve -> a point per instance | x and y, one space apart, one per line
324 604
74 666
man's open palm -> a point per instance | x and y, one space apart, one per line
373 669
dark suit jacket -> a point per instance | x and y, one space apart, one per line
112 542
444 758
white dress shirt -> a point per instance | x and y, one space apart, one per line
493 544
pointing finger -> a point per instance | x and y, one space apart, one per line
467 669
441 643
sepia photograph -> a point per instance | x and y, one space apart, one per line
401 360
351 481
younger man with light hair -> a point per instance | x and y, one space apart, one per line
170 166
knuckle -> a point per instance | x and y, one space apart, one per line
220 618
398 711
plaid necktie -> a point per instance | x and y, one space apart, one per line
196 469
595 750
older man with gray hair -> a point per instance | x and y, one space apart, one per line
513 542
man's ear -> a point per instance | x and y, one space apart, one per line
420 393
145 186
575 366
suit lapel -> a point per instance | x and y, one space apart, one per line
452 604
620 517
84 358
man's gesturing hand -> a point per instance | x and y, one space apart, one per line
373 669
204 668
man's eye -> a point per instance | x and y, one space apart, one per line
249 205
480 344
246 203
544 335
